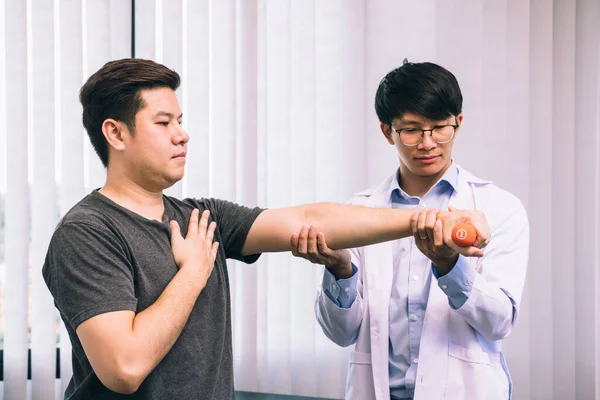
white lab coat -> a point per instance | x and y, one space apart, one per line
460 354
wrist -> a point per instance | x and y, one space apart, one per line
444 266
193 276
340 271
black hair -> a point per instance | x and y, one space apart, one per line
425 88
114 92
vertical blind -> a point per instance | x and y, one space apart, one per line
278 98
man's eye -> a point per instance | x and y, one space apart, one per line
163 123
409 130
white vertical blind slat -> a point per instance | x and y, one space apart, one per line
338 92
587 188
278 149
44 201
195 106
222 112
563 190
72 134
303 170
517 131
262 377
17 204
172 56
145 27
541 202
244 297
120 28
461 31
97 42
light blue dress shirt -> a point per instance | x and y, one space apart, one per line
410 289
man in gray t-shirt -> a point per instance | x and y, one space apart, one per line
123 261
140 279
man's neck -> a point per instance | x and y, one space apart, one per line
134 197
415 185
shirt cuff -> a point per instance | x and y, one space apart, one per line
458 283
341 292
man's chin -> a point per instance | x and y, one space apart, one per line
172 180
427 170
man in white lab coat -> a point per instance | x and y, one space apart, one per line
426 322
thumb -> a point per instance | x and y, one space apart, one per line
450 208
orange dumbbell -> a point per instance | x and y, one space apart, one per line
464 235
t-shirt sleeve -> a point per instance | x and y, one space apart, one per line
88 272
234 222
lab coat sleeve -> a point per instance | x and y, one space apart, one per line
341 325
492 305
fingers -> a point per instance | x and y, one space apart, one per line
175 232
469 251
202 226
312 242
214 251
210 233
193 225
310 245
414 218
303 241
294 245
430 218
438 235
422 224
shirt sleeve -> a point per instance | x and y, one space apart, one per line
88 272
458 283
234 222
342 292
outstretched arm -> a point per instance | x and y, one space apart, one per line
344 226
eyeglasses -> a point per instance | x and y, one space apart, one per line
440 134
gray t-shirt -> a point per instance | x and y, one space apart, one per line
103 258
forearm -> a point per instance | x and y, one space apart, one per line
489 310
347 226
156 329
344 226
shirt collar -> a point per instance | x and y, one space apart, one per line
450 177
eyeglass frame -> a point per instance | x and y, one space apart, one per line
455 126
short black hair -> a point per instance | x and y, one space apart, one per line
114 92
425 88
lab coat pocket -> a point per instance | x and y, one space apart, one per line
469 373
360 377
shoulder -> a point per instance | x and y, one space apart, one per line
497 203
222 210
90 212
363 197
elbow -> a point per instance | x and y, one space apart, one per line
123 379
500 332
341 337
348 342
341 340
494 336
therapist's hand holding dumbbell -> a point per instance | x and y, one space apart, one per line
442 236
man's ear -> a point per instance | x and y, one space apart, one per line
113 132
459 119
387 132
